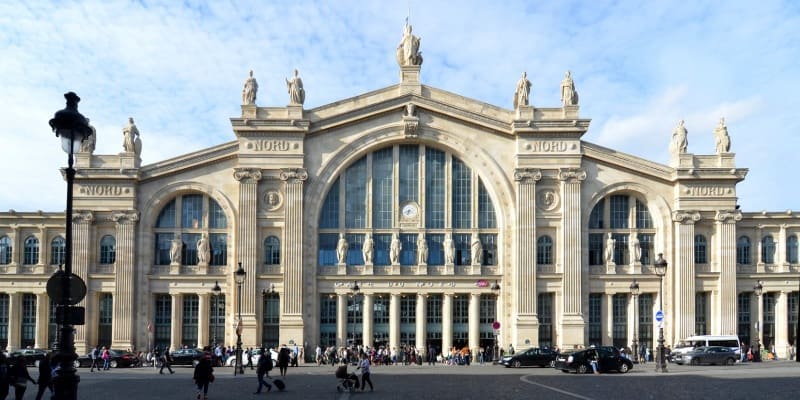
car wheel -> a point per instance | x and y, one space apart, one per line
730 361
517 364
113 364
582 369
695 361
36 363
623 368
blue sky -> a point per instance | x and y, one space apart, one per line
178 69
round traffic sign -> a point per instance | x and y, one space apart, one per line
659 315
55 288
496 325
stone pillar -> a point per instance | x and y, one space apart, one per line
759 261
15 249
341 319
247 248
607 315
524 280
781 323
780 256
81 255
725 249
204 319
474 323
176 325
572 323
367 308
394 321
42 323
422 323
760 319
292 312
682 269
124 317
447 322
44 251
14 321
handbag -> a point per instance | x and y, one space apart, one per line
211 378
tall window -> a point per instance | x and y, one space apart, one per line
791 249
163 320
330 208
408 253
3 320
57 250
700 250
544 307
619 212
380 320
31 250
191 307
544 250
327 320
382 188
621 215
435 249
355 179
743 250
408 319
595 319
188 217
620 248
489 243
5 250
216 319
487 316
701 313
105 319
646 319
270 330
486 217
768 250
272 250
463 250
646 244
108 250
52 326
769 319
28 325
595 249
620 320
462 195
409 173
355 256
793 302
434 319
460 320
743 316
355 318
434 188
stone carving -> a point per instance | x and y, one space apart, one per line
547 199
131 134
299 174
569 97
89 143
686 216
610 243
411 110
250 90
422 249
410 121
203 250
728 216
341 249
367 248
449 249
477 250
246 174
523 91
297 95
394 249
572 175
721 138
122 217
175 250
273 200
679 140
408 50
635 248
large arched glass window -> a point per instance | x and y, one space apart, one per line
544 250
31 250
188 217
108 250
743 250
768 250
5 250
58 248
621 215
272 251
700 249
408 190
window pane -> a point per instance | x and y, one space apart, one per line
5 250
409 173
216 216
544 250
382 167
462 195
595 249
434 188
767 250
192 211
463 251
108 250
31 250
646 244
435 249
163 319
620 248
743 317
190 320
643 220
330 209
408 254
105 319
57 251
28 325
355 255
619 212
486 217
595 319
163 243
189 256
166 219
700 253
219 248
327 248
791 249
4 320
489 243
356 194
743 250
382 243
596 218
272 251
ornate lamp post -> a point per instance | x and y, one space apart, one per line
354 289
660 266
758 289
496 353
239 276
217 291
72 128
635 294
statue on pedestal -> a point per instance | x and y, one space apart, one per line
203 250
175 250
250 90
88 144
422 249
394 249
610 243
297 95
408 50
635 248
721 138
367 248
569 97
130 133
449 249
341 249
523 91
679 140
477 250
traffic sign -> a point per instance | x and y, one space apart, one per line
659 315
55 288
496 325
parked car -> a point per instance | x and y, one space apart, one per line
608 359
186 356
708 355
543 357
119 359
31 356
231 361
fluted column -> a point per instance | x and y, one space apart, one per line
14 321
42 313
608 319
367 307
204 319
81 255
394 321
781 323
247 244
682 269
123 315
525 272
294 289
474 322
422 323
176 325
780 245
447 322
725 244
572 320
341 319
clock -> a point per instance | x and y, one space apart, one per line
409 210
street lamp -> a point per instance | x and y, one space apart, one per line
660 266
239 276
496 353
72 128
354 288
758 289
635 294
217 291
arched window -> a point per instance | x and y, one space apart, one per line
768 250
623 216
5 250
57 249
31 250
700 249
189 216
743 250
544 250
791 249
108 250
272 251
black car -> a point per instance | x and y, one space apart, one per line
608 359
119 359
31 356
543 357
186 356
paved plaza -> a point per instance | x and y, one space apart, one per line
773 380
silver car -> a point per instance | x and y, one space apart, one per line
707 355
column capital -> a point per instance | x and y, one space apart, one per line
125 216
82 217
728 216
246 175
688 217
571 175
527 175
294 174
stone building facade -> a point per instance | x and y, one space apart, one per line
449 214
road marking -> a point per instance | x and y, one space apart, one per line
575 395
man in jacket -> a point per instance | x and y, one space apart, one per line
166 361
262 368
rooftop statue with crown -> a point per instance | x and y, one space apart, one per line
408 50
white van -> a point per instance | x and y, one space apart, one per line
690 343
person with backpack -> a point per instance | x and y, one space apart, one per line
106 356
94 355
262 369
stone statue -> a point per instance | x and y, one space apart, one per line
721 138
679 141
635 248
175 250
449 249
477 250
250 90
610 243
569 97
341 249
88 144
422 249
130 132
408 50
297 95
523 91
411 110
203 250
394 249
367 248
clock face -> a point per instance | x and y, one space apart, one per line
409 210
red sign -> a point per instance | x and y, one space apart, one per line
496 325
482 283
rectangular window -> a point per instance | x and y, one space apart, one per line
163 243
460 309
596 217
57 250
408 319
270 328
487 316
192 211
701 313
382 189
166 219
380 309
620 320
28 325
327 248
381 249
434 188
620 248
643 220
327 319
219 248
356 195
646 319
646 244
105 319
408 253
216 216
189 251
769 319
595 249
409 173
462 195
743 317
486 217
595 319
355 317
434 319
190 320
435 249
3 320
489 244
792 299
544 307
461 241
163 321
619 212
216 319
330 209
52 326
355 254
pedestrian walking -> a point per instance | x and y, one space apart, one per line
4 376
106 356
94 355
283 360
203 374
45 377
20 377
364 367
249 358
262 369
166 361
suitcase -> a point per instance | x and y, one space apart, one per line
279 384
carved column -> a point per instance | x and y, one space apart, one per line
42 323
367 307
422 323
525 272
341 319
81 254
204 319
474 323
725 244
176 325
394 320
15 249
447 322
14 321
781 323
780 245
124 310
292 313
247 248
607 315
682 269
44 250
572 320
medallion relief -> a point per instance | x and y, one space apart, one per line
272 200
547 199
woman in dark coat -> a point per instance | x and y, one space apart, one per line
203 375
45 377
283 360
20 377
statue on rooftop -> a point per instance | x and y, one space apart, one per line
523 91
297 95
679 140
408 50
250 90
569 97
721 138
130 133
